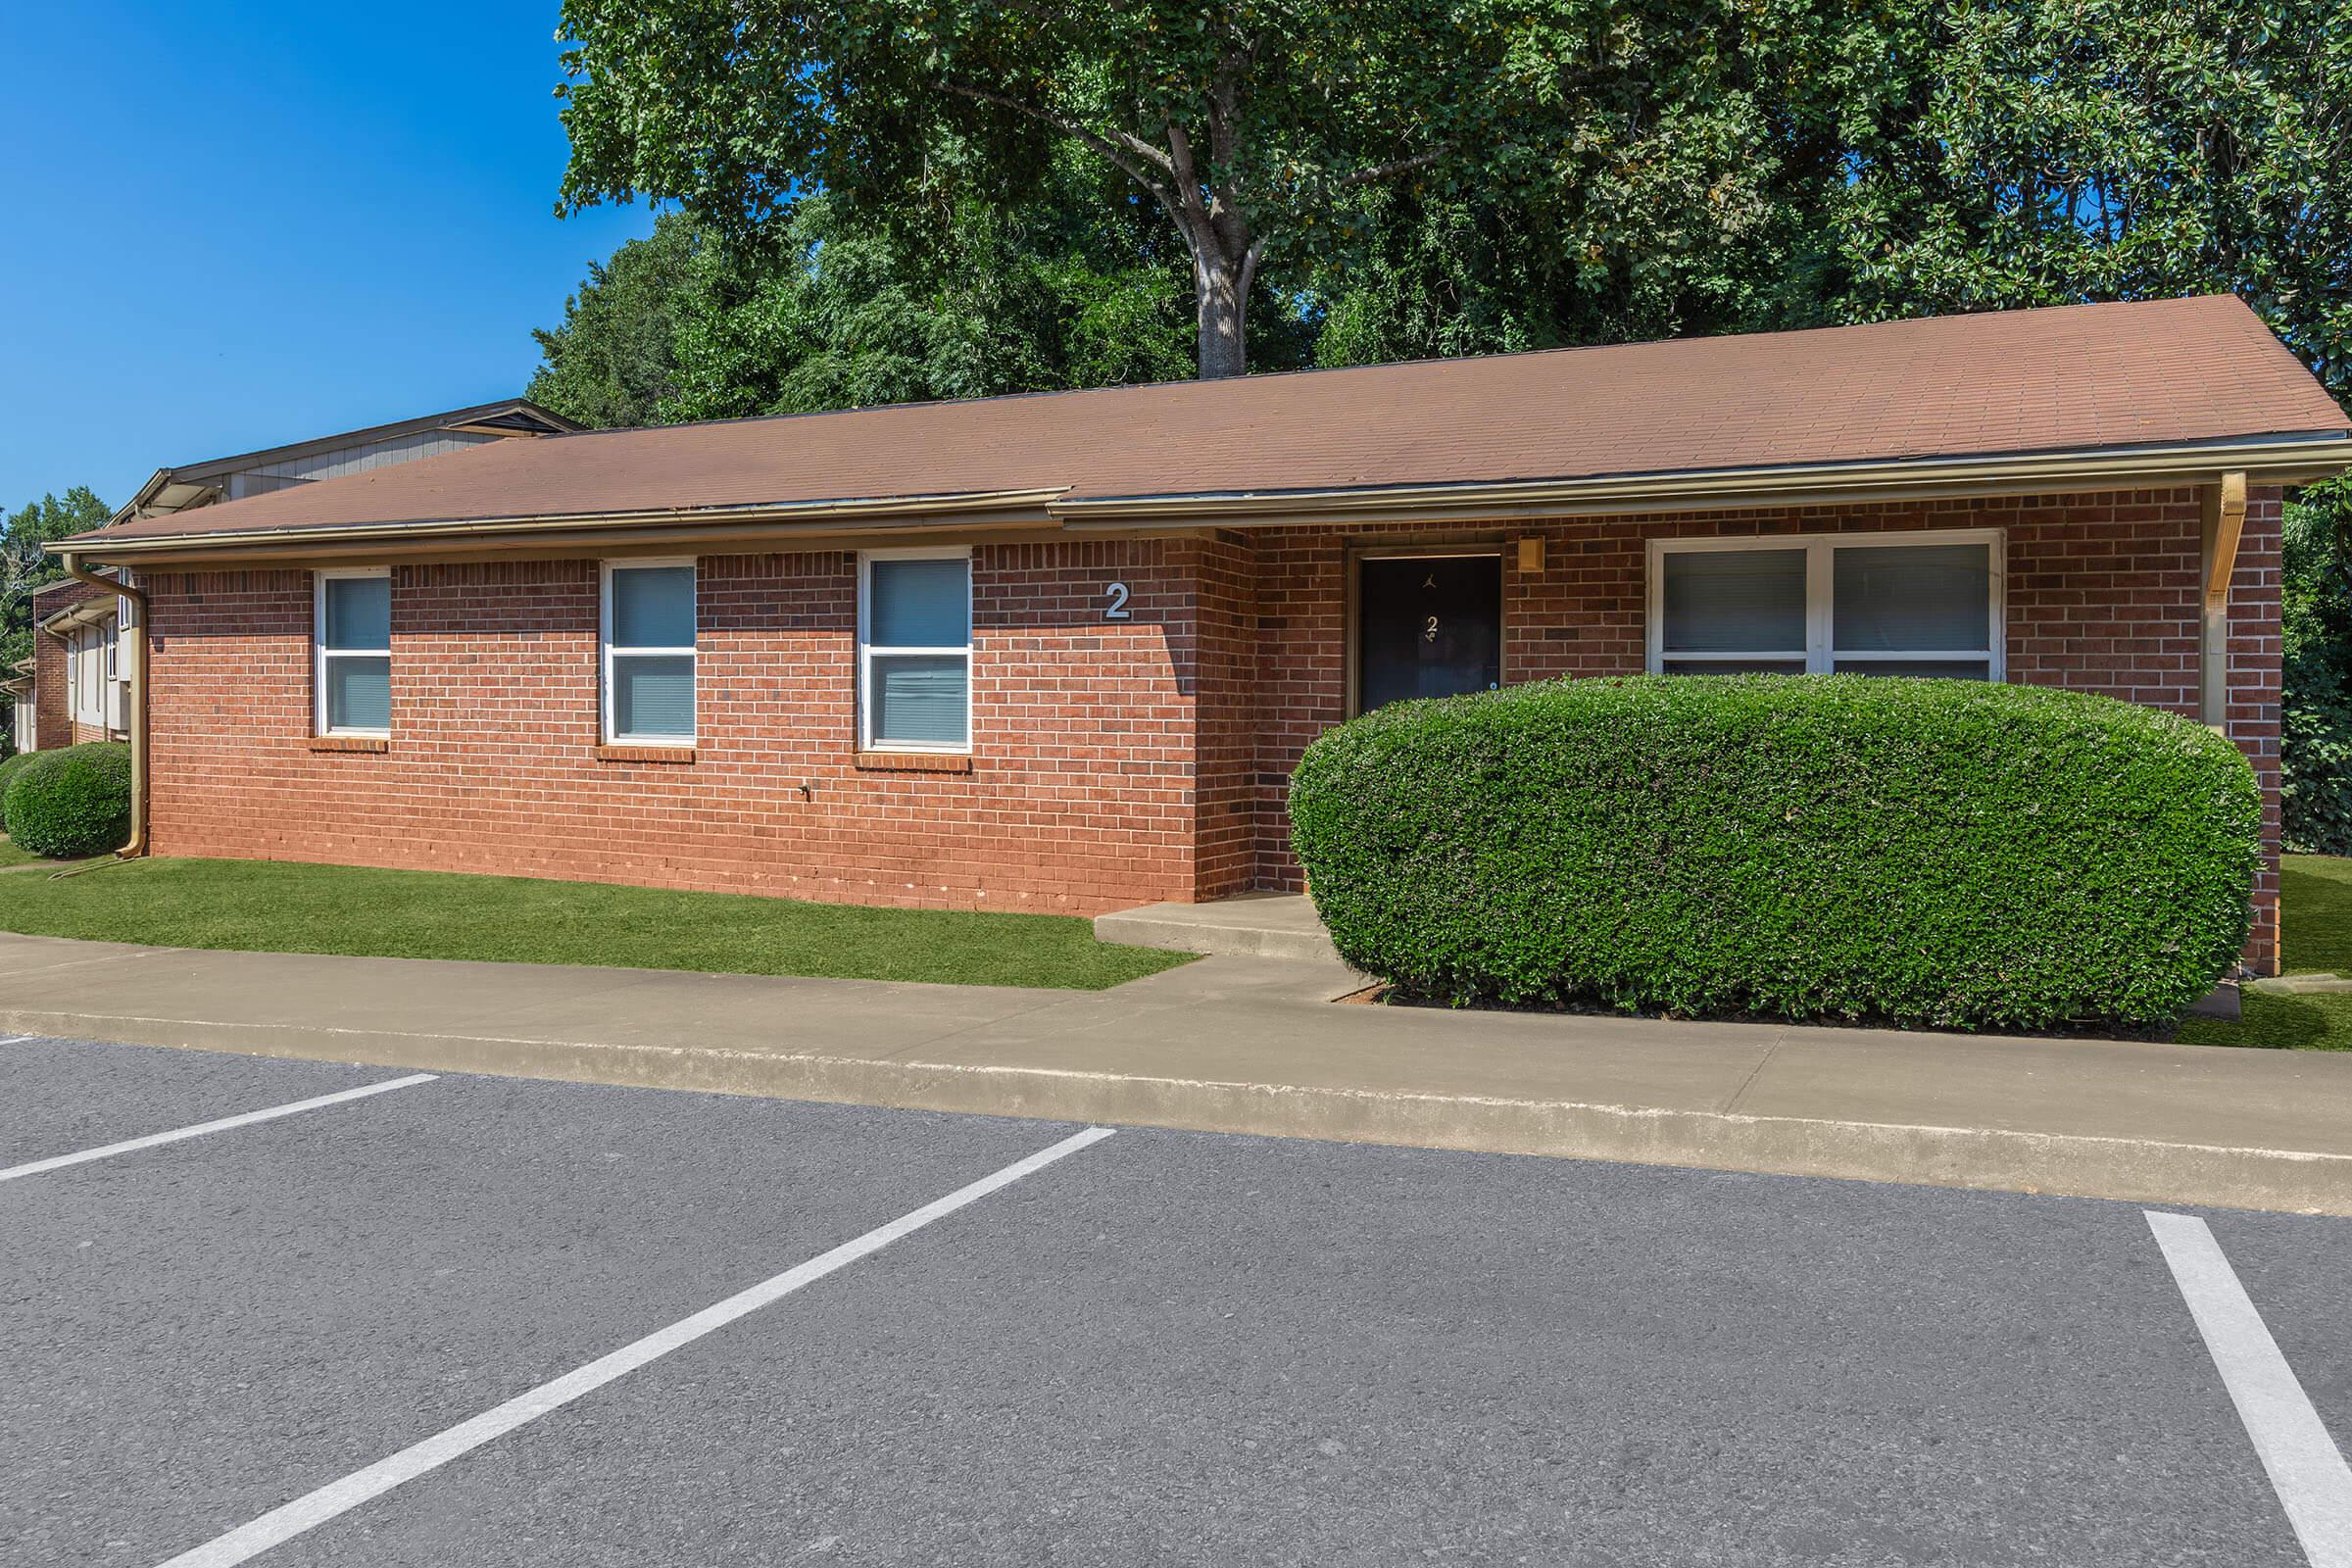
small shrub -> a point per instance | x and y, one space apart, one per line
71 803
1922 851
10 767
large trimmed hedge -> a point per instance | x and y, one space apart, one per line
1923 852
72 802
10 767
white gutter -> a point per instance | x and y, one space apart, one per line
897 512
2285 461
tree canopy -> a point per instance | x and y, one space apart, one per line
1371 183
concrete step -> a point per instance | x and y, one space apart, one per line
1254 925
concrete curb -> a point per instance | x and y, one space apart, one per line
2294 1181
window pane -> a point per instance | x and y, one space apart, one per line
653 606
1733 666
358 693
359 613
1947 668
654 697
920 603
919 699
1914 597
1732 601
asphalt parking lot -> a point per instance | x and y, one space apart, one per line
474 1320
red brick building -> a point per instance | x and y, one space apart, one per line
1059 652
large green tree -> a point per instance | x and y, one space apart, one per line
1254 131
613 359
2043 152
955 296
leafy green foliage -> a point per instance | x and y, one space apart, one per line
72 802
1250 129
968 299
2040 151
1572 172
612 362
24 567
987 301
2316 750
1928 852
9 768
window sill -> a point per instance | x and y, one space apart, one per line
914 762
350 743
645 754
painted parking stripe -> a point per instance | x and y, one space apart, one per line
2306 1468
283 1524
247 1119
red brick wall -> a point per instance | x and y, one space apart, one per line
53 719
1225 816
1114 763
2102 595
1079 799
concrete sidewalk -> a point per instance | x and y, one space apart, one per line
1255 1046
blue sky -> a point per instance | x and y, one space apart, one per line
228 226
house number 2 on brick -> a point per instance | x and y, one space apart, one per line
1117 608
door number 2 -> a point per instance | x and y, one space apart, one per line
1117 608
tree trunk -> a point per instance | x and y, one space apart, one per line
1223 292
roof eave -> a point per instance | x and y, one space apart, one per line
1006 509
2282 460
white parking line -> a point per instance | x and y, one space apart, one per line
283 1524
270 1113
2306 1468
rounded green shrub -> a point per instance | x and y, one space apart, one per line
10 767
1941 852
72 802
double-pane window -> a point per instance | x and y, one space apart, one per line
354 639
649 652
914 651
1873 605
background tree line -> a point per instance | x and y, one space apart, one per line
25 567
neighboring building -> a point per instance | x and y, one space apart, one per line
1062 651
22 725
78 686
75 690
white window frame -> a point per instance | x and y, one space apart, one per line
866 649
320 653
607 652
85 654
1821 583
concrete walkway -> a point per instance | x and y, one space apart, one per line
1256 1045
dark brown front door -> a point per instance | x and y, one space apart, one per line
1426 626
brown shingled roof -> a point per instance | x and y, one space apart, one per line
2076 378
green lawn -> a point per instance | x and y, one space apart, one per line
2314 899
266 906
10 854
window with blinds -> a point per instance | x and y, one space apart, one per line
1926 604
352 673
914 650
649 658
